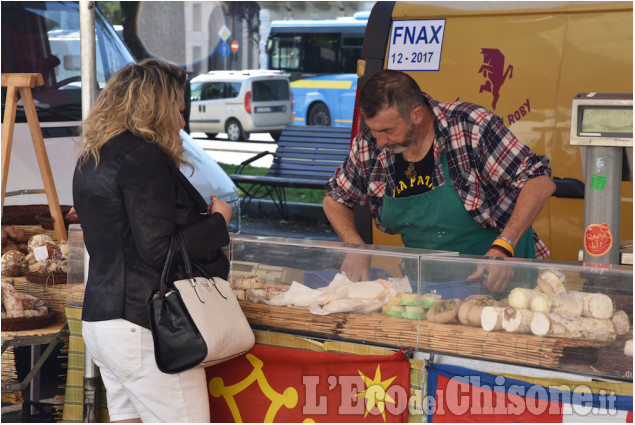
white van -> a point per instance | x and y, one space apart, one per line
43 37
241 102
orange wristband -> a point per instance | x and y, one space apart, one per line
503 250
501 243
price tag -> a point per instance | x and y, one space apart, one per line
416 44
40 253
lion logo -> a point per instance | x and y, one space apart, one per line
494 72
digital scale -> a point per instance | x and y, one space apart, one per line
602 125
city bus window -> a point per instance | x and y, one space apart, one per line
320 58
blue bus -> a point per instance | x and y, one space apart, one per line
320 56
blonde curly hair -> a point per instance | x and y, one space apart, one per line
142 98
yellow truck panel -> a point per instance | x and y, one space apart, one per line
526 65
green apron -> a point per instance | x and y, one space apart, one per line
438 220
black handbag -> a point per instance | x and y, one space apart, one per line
195 321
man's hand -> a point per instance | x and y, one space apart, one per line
356 267
495 276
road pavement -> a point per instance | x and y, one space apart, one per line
226 152
222 150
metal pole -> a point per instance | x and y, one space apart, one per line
89 95
88 55
602 205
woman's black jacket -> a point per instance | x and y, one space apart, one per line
129 207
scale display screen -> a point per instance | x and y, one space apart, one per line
605 121
602 119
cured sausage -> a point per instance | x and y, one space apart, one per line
11 302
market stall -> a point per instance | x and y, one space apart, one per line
555 345
37 320
556 324
295 299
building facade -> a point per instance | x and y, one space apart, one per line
208 35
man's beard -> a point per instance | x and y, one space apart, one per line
408 140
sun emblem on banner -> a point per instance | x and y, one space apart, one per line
376 393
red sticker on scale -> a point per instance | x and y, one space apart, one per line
598 239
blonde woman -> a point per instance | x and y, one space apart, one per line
131 198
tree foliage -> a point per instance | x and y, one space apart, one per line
249 11
126 13
129 17
112 11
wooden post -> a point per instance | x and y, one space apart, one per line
23 83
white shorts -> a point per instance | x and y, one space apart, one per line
135 387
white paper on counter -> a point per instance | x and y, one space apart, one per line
340 296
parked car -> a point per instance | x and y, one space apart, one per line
241 102
43 37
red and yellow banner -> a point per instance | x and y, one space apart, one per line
272 384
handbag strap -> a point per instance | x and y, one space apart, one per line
180 245
166 266
176 244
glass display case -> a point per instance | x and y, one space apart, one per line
550 315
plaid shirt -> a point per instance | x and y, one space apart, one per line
488 167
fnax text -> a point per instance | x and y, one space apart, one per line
416 35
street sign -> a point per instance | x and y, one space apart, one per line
234 46
224 50
224 33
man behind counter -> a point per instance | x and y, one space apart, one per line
401 164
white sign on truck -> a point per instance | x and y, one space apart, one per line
415 45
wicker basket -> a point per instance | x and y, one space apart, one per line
46 221
23 214
45 278
23 324
613 360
